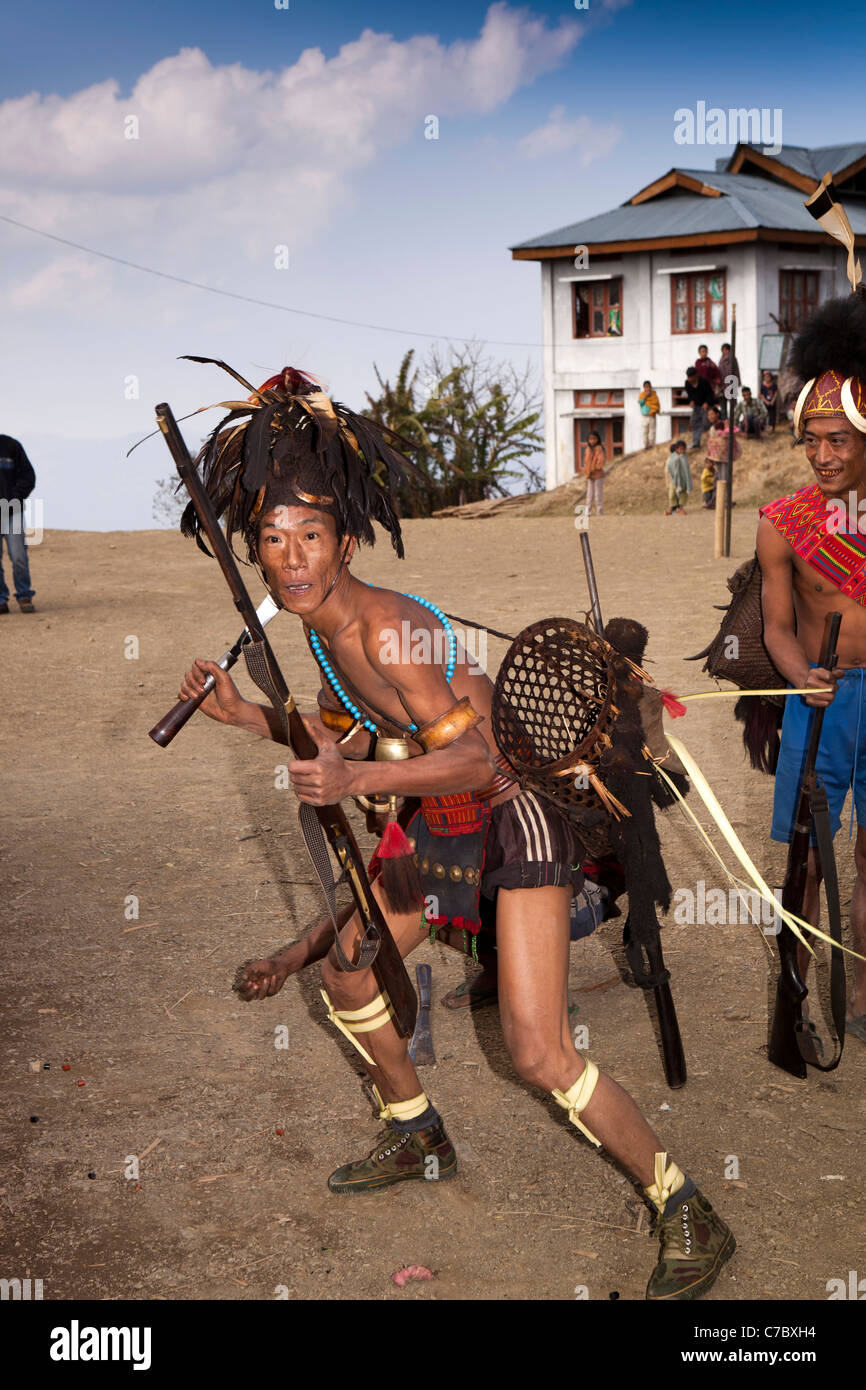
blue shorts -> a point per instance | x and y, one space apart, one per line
841 754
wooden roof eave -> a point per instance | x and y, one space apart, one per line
806 184
694 239
675 178
747 153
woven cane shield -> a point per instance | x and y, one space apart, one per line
552 715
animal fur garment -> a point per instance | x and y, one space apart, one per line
627 775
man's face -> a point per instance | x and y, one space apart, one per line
300 554
837 454
747 395
702 352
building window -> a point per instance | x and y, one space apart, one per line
610 432
597 309
798 298
589 400
698 302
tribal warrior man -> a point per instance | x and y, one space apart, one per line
812 553
302 521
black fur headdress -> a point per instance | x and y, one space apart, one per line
290 444
833 340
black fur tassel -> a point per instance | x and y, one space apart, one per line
833 339
762 724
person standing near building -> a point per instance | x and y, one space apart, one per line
679 478
729 370
17 481
701 395
770 397
707 369
649 409
594 459
719 452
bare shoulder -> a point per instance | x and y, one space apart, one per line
774 551
383 612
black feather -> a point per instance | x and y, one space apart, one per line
215 362
256 448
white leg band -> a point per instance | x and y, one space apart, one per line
351 1021
667 1179
578 1096
400 1109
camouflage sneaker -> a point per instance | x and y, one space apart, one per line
695 1244
396 1157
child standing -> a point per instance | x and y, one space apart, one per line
594 458
717 457
679 478
708 485
770 397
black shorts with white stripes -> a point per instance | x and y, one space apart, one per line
530 845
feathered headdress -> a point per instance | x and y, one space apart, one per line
290 443
830 355
830 352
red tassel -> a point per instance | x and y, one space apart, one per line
674 707
466 924
400 881
394 842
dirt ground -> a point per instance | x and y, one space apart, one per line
167 1063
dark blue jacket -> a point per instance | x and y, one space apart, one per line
17 479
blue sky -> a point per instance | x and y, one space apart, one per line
304 127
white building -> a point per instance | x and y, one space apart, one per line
629 295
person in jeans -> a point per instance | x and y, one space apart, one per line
701 395
17 481
750 415
594 459
770 397
649 408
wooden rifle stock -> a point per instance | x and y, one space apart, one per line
791 989
387 964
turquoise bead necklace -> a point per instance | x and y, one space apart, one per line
334 680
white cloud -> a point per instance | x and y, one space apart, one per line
57 284
230 163
319 117
559 136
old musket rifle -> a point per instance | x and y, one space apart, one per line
673 1054
787 1026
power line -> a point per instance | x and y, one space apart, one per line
261 303
308 313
